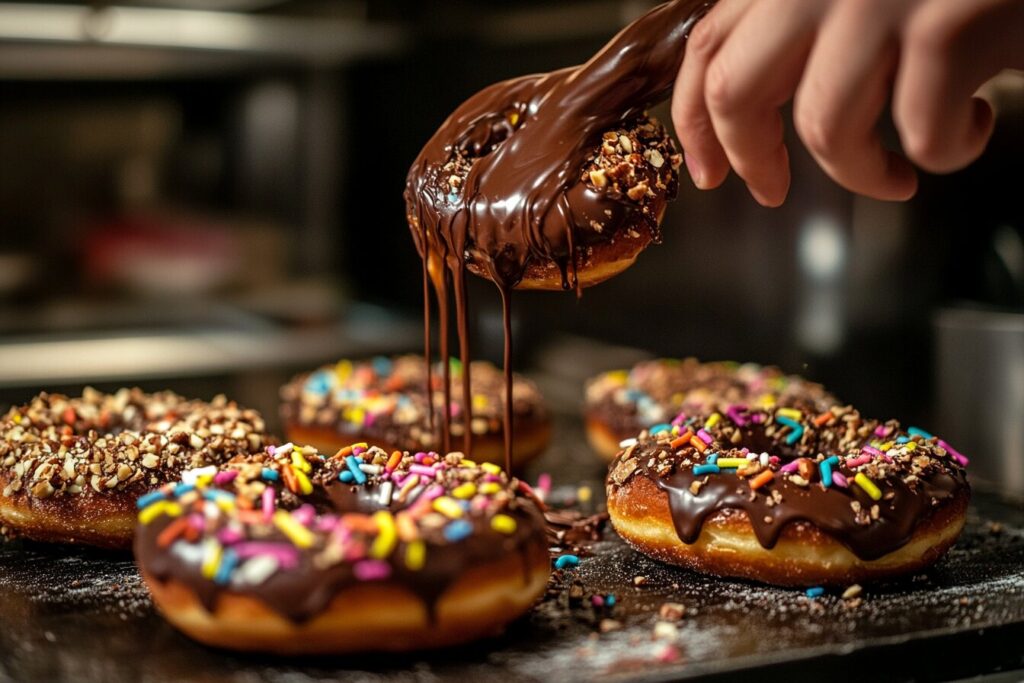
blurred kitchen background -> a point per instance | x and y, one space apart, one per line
205 195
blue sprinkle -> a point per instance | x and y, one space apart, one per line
151 497
706 469
815 592
217 494
902 439
634 395
712 458
452 198
917 431
659 428
269 474
458 530
382 365
318 383
609 600
182 489
353 466
228 562
566 561
826 466
346 477
797 432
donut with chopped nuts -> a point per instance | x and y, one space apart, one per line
790 498
299 553
383 401
72 468
619 404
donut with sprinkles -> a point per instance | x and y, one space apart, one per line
384 402
294 552
72 468
786 497
621 403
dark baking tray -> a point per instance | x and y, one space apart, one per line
70 614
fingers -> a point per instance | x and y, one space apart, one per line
843 92
704 156
947 56
753 73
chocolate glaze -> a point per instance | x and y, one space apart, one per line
907 500
522 198
305 590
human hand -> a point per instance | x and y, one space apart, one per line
841 61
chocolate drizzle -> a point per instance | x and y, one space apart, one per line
499 185
913 483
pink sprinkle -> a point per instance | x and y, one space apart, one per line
597 601
882 430
734 414
286 555
544 483
419 456
423 470
370 419
789 467
432 493
326 523
455 410
229 536
758 418
304 515
957 455
196 521
491 477
371 570
872 451
268 503
668 654
744 450
839 480
704 436
774 459
225 476
358 450
858 461
679 419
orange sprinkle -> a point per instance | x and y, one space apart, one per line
250 516
290 480
172 531
358 522
427 461
393 461
347 450
406 527
698 443
191 534
682 440
824 419
761 479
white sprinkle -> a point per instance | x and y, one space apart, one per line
191 476
764 459
414 494
188 553
254 571
626 443
385 492
370 469
287 448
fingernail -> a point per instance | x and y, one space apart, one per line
696 175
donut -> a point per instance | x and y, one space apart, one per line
619 404
616 204
297 553
790 498
383 401
71 469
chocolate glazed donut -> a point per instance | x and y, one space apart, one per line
500 186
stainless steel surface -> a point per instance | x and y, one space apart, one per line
980 389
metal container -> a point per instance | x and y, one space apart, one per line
979 370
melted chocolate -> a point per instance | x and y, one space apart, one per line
913 485
522 198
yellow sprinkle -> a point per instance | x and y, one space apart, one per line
305 487
732 462
161 507
766 401
17 418
791 413
415 555
296 533
448 507
203 480
513 118
618 376
361 444
503 524
464 491
713 420
212 560
910 445
300 462
885 446
387 535
675 430
225 504
479 402
466 463
584 494
869 486
490 488
677 399
357 415
343 370
490 468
